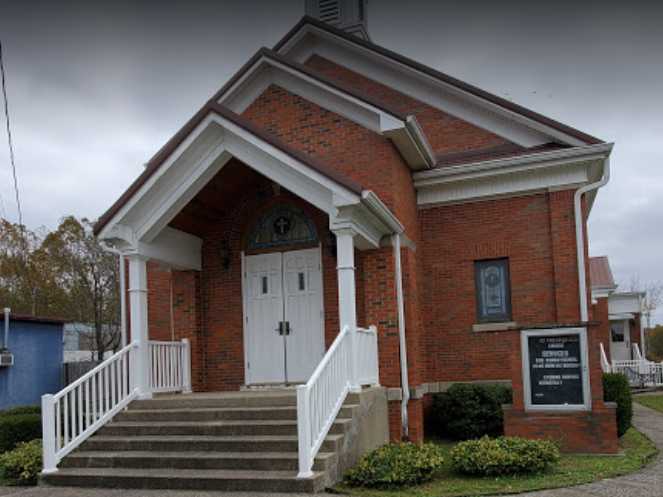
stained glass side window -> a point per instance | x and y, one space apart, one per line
493 290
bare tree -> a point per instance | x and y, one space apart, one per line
653 296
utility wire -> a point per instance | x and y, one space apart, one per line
9 139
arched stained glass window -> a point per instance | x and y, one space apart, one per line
282 225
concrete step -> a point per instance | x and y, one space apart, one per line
186 479
172 443
257 461
219 413
211 428
228 399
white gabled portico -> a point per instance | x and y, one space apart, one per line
139 228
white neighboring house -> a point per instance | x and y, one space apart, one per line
627 341
79 344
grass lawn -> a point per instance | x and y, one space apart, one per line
652 401
572 470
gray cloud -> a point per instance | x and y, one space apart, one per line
96 90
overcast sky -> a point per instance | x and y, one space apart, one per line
95 91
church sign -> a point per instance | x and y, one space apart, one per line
555 370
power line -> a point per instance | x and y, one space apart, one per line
9 140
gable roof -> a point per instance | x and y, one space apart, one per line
600 274
301 68
440 76
212 107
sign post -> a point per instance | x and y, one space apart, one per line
555 371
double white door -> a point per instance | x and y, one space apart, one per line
284 320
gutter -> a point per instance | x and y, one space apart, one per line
380 210
521 162
580 241
418 136
405 386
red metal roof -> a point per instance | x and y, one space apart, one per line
600 274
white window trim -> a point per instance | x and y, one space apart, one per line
584 356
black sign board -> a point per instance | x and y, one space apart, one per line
555 369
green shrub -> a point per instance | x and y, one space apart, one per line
16 428
503 456
469 410
395 465
21 410
23 464
616 389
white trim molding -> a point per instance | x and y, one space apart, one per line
140 226
584 360
525 174
404 131
517 128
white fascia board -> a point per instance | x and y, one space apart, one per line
407 135
504 185
186 172
625 302
267 71
621 317
187 149
512 164
424 87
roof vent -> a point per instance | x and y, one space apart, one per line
348 15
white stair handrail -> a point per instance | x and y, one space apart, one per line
77 411
351 361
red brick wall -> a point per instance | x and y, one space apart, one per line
367 157
584 432
445 133
453 238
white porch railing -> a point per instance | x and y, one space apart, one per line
350 362
76 412
170 366
640 373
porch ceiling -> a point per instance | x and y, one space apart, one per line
215 201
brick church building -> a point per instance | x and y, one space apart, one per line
333 184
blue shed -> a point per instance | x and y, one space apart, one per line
36 344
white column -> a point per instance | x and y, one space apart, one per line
347 302
345 265
140 366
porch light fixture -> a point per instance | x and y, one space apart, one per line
224 253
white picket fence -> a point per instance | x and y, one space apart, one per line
351 361
75 413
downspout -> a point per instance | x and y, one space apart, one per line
5 342
643 345
580 239
405 387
